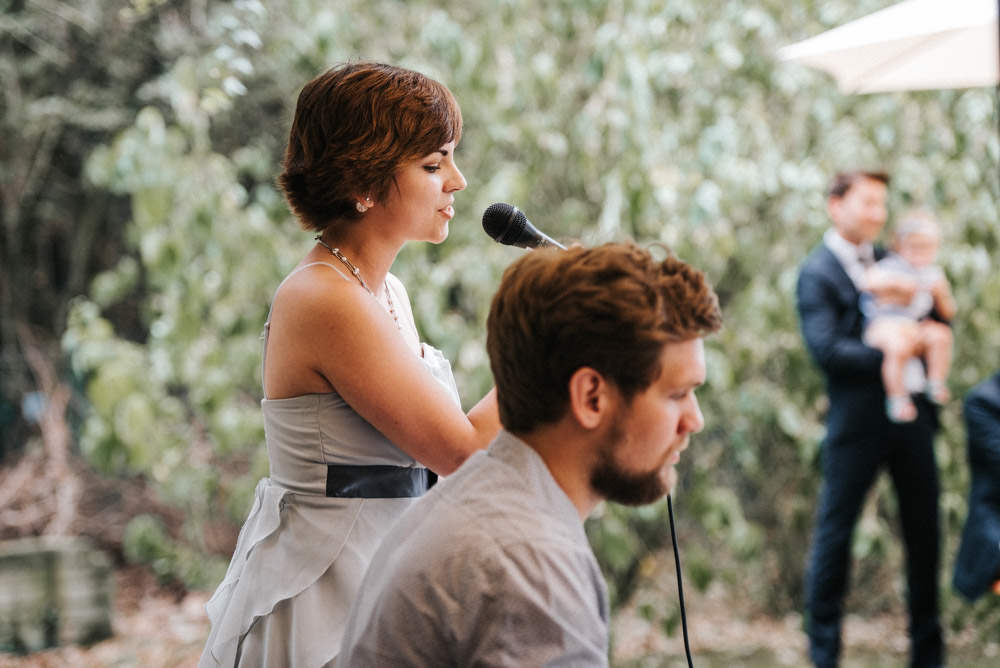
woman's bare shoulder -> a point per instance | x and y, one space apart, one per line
316 287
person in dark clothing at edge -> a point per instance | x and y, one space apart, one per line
977 566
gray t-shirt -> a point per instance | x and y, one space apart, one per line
491 568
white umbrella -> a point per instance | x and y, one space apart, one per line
912 45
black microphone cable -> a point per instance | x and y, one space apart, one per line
680 585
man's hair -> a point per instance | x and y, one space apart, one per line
610 308
354 126
843 181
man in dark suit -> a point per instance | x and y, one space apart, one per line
978 564
860 438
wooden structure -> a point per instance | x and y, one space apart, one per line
53 591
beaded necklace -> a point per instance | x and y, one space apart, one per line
357 274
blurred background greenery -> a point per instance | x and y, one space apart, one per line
143 238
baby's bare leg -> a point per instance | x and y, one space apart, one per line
936 340
898 340
937 343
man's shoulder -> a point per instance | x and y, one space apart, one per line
819 268
819 259
484 533
476 552
480 508
490 513
512 522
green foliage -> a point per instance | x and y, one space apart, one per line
148 542
659 121
68 77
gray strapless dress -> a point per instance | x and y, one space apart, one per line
301 555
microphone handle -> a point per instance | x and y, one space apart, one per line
545 240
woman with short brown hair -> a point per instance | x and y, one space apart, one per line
360 415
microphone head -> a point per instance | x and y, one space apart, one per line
505 223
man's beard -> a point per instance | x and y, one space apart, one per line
610 481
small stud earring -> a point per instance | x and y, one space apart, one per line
360 207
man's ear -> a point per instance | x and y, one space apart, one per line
833 207
589 397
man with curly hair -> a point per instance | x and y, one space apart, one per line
596 354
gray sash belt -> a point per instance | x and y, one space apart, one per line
378 482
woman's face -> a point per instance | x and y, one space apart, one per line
424 193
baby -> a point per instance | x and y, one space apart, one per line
901 291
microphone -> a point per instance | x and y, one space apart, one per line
509 226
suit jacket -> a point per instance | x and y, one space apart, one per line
978 562
832 325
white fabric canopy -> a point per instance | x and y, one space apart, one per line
913 45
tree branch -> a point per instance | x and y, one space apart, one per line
55 433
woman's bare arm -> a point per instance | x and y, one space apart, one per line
331 334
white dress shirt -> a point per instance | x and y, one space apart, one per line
850 255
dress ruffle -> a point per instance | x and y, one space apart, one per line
440 368
287 547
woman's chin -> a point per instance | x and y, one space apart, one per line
440 236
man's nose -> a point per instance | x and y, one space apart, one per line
693 421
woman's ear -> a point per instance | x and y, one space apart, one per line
589 397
